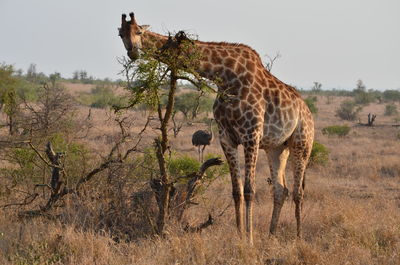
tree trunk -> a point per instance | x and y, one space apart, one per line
371 119
161 146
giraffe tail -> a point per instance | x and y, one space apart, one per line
304 182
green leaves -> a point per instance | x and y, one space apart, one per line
339 130
310 101
319 154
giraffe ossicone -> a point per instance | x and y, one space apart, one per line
262 113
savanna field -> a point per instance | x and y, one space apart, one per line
351 211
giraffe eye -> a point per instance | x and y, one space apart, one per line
139 32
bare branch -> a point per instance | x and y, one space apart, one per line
200 227
271 61
28 200
41 157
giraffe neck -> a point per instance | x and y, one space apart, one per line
228 64
153 40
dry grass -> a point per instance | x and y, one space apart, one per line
351 211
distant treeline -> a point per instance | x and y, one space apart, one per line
360 93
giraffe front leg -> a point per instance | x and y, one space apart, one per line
277 160
231 154
251 153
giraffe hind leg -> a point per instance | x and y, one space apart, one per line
300 160
277 160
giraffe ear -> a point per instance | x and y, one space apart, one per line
144 27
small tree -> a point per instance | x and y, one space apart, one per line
51 111
390 109
31 73
191 104
348 110
75 76
54 77
316 87
360 87
9 102
361 95
146 84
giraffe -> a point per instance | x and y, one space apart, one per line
253 109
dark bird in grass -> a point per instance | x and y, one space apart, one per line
201 139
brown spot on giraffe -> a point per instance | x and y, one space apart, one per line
240 68
230 63
275 119
246 55
215 58
244 92
224 53
271 84
250 66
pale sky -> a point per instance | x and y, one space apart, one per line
333 42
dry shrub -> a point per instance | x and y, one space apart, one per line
390 171
351 210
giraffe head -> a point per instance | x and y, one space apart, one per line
131 34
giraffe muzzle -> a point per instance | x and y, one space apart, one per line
133 54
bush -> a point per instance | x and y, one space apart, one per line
310 101
348 110
390 109
214 172
340 130
182 166
319 154
364 98
101 96
391 95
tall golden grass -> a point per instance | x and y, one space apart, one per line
351 212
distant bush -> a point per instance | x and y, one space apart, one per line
364 98
310 101
340 130
391 95
101 96
319 154
348 110
390 109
